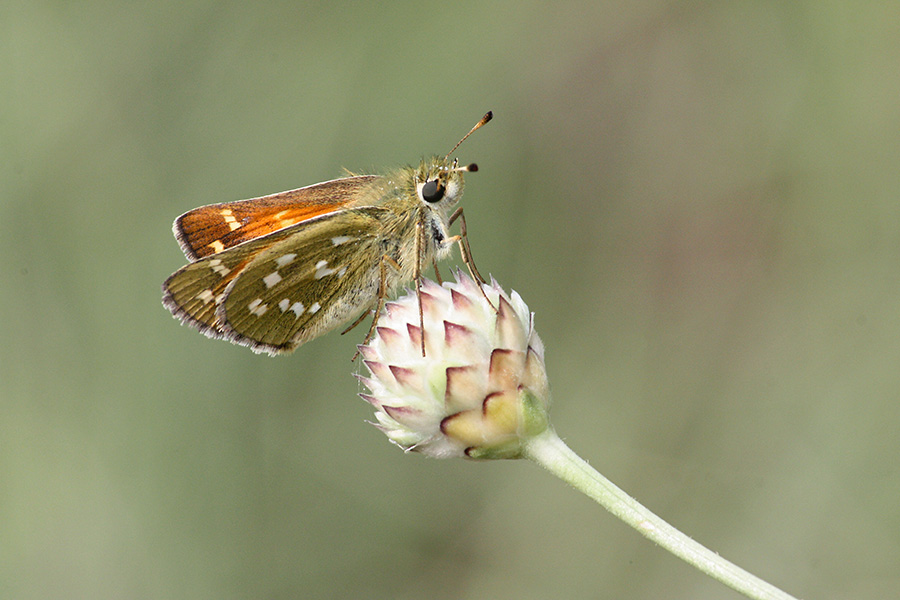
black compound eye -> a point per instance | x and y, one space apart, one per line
432 191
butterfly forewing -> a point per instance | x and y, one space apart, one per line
211 229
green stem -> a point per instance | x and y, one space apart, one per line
549 451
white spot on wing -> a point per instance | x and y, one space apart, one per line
229 219
217 266
340 239
257 307
284 304
314 308
322 269
285 259
206 296
298 308
271 279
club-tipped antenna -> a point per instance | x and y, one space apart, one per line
484 120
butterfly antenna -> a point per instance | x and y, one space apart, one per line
484 120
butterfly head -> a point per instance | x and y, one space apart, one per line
439 184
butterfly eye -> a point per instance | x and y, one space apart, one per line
432 191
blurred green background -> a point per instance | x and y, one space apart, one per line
699 200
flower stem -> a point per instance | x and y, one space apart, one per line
549 451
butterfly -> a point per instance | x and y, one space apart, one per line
277 271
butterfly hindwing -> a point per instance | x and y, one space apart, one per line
305 284
211 229
194 291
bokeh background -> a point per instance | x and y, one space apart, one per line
699 200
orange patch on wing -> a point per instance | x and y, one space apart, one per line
210 229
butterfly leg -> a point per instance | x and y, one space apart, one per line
420 245
359 320
379 305
464 248
463 240
437 273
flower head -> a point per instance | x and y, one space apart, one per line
480 390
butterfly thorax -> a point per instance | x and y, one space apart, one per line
409 213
